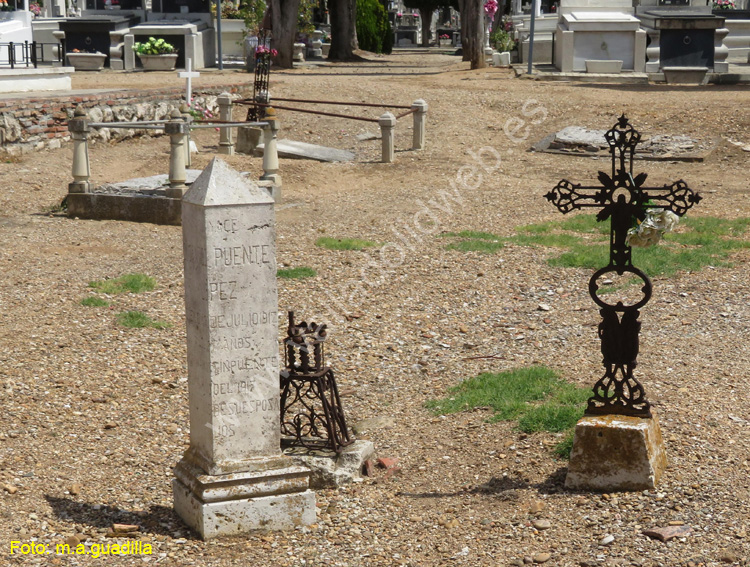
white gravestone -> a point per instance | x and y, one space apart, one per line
233 478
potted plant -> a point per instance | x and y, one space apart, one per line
82 60
156 55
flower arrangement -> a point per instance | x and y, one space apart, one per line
490 7
5 7
658 221
154 47
445 36
198 112
87 51
262 49
35 9
724 5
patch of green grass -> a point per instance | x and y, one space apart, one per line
133 283
295 273
699 242
474 241
138 320
558 413
551 240
476 246
472 235
535 396
344 243
94 301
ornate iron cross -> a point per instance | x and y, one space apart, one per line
623 199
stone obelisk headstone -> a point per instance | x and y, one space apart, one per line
233 478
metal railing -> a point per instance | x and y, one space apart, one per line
30 54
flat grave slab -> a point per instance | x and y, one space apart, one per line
580 141
302 150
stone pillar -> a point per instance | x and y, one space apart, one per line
234 478
58 53
653 51
226 145
316 51
176 129
116 39
299 52
128 53
639 51
271 154
79 132
387 122
420 115
721 51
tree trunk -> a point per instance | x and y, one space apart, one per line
426 24
343 29
284 30
464 37
472 18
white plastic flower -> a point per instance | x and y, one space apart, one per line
657 223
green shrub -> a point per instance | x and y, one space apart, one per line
373 28
501 40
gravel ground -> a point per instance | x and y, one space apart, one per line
95 415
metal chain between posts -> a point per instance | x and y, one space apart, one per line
623 199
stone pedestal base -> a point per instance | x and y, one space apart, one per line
248 138
616 453
331 470
216 505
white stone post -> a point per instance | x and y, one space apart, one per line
271 153
420 115
226 144
233 478
721 51
79 132
176 128
387 122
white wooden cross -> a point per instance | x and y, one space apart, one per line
188 74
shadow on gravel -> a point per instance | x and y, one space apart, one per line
158 520
505 487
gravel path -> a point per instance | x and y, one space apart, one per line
95 415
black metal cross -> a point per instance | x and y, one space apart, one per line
623 199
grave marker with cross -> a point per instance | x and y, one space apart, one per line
188 74
623 199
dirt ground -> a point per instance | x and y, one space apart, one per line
95 415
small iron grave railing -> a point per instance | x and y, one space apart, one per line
311 411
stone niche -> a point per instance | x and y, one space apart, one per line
96 32
684 37
193 39
583 36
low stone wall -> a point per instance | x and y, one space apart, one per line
30 122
